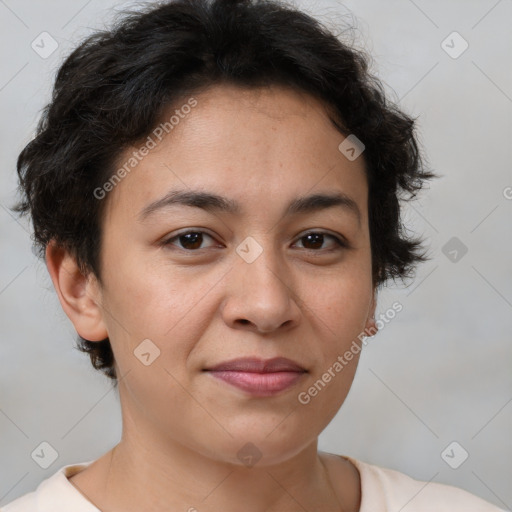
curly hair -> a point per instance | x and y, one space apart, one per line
114 87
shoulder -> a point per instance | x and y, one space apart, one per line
55 493
386 489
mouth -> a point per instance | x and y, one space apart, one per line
259 377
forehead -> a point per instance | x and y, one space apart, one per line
267 142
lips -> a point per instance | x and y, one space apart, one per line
255 365
259 377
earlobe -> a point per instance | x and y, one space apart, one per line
79 295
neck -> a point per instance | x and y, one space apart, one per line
149 470
181 479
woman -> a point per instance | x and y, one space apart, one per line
215 190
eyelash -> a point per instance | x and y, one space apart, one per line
342 244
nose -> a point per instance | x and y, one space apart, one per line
261 296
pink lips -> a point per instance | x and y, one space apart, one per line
257 376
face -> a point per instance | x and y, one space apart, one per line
189 286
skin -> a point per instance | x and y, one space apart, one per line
305 300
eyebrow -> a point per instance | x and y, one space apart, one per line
214 203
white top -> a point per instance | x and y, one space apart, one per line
382 490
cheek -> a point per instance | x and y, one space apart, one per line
138 292
171 309
338 317
157 324
340 304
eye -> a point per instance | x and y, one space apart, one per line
315 240
189 240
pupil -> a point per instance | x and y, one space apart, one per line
319 238
191 238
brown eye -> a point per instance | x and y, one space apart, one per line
189 240
315 240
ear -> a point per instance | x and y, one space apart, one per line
371 325
79 295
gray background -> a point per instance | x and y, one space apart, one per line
438 372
